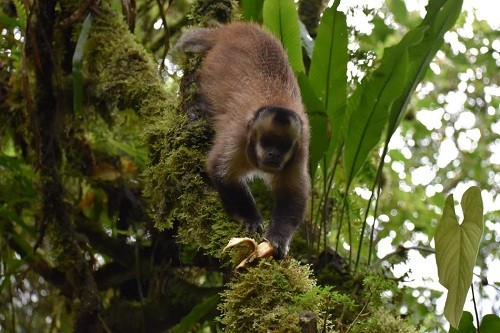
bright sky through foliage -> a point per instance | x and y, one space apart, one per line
452 104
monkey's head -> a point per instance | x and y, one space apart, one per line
273 135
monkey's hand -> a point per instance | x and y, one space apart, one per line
280 245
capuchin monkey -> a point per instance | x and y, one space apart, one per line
261 128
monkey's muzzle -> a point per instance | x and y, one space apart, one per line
271 165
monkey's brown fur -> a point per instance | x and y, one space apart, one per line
251 93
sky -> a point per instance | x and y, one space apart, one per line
487 10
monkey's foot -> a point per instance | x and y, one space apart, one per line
256 227
261 250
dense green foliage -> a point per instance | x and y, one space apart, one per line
108 221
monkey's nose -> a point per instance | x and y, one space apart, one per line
274 154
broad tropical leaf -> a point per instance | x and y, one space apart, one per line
435 24
369 118
328 71
456 250
252 10
466 324
318 120
281 18
490 324
197 313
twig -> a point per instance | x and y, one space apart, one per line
475 306
399 250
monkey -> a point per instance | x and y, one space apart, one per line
261 128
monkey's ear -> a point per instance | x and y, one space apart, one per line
198 40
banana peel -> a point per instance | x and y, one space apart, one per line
261 250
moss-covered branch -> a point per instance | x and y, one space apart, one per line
177 147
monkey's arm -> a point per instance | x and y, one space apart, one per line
287 215
239 203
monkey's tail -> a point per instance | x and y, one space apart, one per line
198 40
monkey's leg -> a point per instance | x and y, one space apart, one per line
288 213
239 203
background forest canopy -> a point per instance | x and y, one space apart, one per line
108 221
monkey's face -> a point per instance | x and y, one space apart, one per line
274 151
274 134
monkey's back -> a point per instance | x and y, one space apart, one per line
246 68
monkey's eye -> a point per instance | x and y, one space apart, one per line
275 143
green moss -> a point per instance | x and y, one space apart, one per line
267 298
381 321
128 77
378 316
178 186
222 11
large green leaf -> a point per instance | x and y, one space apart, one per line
398 9
328 71
281 18
490 324
369 118
318 121
441 16
252 10
456 250
433 7
466 324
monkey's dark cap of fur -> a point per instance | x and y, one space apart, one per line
281 116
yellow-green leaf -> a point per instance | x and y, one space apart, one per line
456 250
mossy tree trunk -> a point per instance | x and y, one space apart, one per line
113 279
123 240
146 279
